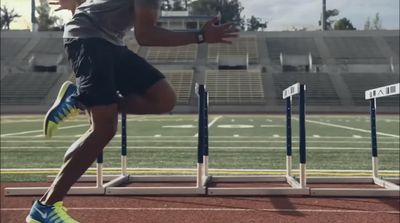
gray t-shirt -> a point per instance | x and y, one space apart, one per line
106 19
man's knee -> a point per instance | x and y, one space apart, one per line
104 122
105 132
167 102
163 96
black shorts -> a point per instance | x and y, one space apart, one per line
103 69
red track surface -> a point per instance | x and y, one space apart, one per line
143 209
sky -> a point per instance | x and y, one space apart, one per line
280 14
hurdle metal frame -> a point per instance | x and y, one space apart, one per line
296 187
114 183
389 189
99 188
200 179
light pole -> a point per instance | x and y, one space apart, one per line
323 19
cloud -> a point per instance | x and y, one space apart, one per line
283 14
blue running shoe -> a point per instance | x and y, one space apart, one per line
56 213
65 106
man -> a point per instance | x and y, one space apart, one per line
104 66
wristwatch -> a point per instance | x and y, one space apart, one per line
200 37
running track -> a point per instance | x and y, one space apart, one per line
152 209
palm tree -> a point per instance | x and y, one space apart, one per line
7 17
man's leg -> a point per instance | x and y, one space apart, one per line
159 98
104 121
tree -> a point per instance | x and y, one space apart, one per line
7 17
255 24
166 5
231 9
177 6
46 21
329 22
367 24
344 24
377 22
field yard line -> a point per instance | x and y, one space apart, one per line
350 128
178 137
213 209
211 141
41 130
213 147
210 124
214 121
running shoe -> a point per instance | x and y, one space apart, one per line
65 106
56 213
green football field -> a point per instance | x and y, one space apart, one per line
239 144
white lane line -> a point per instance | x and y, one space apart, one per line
272 126
275 136
214 121
41 130
357 136
213 209
350 128
210 124
311 140
316 136
214 147
180 137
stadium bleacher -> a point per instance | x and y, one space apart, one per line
349 55
182 82
393 42
293 46
10 47
235 87
320 90
355 50
245 45
180 54
358 83
27 88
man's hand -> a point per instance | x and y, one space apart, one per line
214 33
70 5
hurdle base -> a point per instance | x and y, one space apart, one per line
387 188
120 189
37 191
294 187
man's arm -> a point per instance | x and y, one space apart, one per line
149 34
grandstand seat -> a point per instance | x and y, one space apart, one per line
359 83
180 54
292 46
27 88
182 82
355 50
10 47
245 45
319 86
235 87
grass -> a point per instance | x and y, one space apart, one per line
237 142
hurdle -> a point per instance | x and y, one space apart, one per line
386 188
98 189
199 180
295 187
113 184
